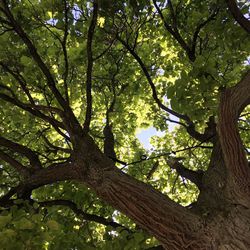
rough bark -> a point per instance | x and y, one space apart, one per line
221 217
173 225
233 101
222 225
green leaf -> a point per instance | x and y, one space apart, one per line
4 220
53 225
24 224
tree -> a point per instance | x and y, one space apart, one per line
78 79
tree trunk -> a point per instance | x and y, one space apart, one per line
214 223
219 220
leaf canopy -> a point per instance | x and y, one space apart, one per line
132 45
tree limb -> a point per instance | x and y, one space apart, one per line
193 176
64 47
175 33
138 201
198 29
56 124
15 164
20 80
6 197
69 119
109 140
66 150
90 67
190 127
238 16
31 155
51 174
80 212
33 52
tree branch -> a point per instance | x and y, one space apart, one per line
175 33
33 52
190 127
90 67
32 107
152 170
193 176
56 148
139 201
15 164
109 140
64 47
150 81
31 155
51 174
56 124
6 197
173 15
198 29
20 80
79 212
238 16
70 119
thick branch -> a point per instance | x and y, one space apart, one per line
90 67
41 177
32 156
152 210
15 164
109 140
27 107
238 16
80 212
52 174
233 101
193 176
148 207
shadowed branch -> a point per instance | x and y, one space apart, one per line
90 67
81 213
238 16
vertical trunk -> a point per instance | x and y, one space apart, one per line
212 194
233 101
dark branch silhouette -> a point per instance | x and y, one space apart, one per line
238 16
90 67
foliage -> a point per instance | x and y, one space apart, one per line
129 42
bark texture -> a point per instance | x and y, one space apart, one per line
220 218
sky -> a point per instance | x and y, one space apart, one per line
144 135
